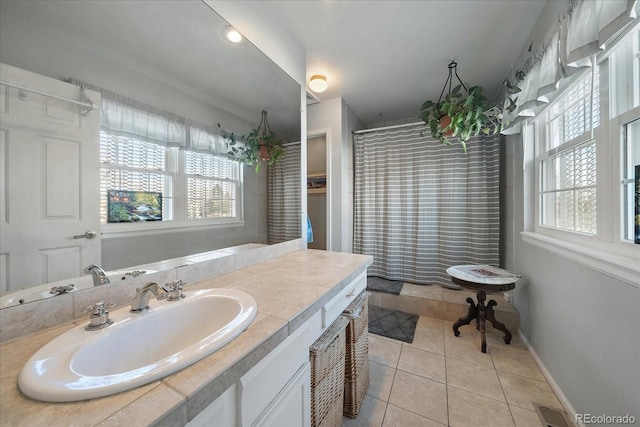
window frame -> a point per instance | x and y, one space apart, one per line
237 180
175 169
606 251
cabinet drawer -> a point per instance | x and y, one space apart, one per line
336 306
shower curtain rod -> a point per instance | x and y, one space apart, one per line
87 105
388 127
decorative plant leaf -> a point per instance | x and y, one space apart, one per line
469 116
247 150
427 104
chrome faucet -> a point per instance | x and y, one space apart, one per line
98 274
140 301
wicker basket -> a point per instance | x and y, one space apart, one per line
354 391
327 375
358 314
357 354
334 416
357 357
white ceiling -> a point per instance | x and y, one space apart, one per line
385 58
175 42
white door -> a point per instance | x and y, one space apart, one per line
49 181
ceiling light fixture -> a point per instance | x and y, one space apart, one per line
318 83
232 34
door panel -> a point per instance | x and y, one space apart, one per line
62 187
49 182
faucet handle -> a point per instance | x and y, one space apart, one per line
59 290
99 308
135 273
99 317
174 289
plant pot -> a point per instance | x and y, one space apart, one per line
444 122
263 152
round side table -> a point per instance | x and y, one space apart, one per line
482 279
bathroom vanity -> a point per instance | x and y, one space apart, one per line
260 378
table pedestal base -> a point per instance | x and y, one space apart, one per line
481 313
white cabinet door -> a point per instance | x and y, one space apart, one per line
220 413
291 408
262 384
49 181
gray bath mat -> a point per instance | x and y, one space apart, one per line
378 284
392 323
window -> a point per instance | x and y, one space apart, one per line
211 186
132 164
141 151
587 146
568 162
568 195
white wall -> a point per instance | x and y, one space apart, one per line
353 123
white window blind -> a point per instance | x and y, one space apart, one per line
212 186
568 162
134 165
569 189
571 115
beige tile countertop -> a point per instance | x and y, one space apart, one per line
288 289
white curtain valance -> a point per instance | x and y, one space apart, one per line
593 22
583 32
127 120
127 117
205 140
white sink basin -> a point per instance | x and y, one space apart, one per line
137 348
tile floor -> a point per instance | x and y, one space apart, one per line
441 379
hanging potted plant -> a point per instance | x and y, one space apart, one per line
460 117
261 145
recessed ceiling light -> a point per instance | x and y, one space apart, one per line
232 34
318 83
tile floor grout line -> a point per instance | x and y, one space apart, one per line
395 370
446 382
444 350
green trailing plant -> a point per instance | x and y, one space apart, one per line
255 148
459 118
261 145
512 87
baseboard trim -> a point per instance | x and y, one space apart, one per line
552 382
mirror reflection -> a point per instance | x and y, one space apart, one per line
167 89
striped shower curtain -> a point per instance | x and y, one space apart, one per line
284 196
421 206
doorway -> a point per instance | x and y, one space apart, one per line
317 189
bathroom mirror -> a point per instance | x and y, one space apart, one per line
173 56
